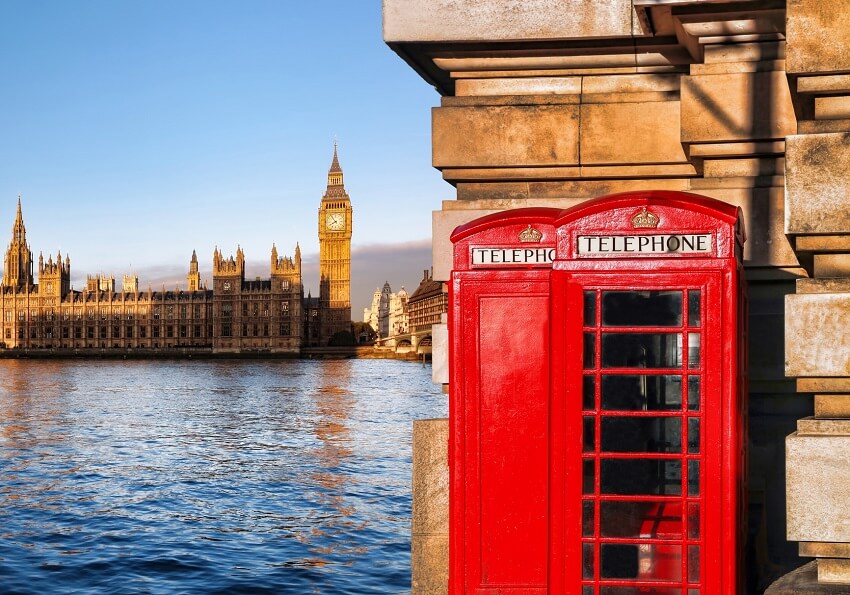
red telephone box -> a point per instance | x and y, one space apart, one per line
648 397
499 402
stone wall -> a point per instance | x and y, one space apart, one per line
745 101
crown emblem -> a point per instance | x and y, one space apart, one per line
645 219
529 234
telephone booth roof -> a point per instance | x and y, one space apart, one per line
497 220
662 211
529 229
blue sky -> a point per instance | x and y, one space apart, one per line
136 131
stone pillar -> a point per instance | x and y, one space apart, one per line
817 345
430 522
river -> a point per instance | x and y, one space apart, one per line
208 476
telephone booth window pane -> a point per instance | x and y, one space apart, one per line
589 473
619 561
693 435
631 392
589 350
641 434
693 393
646 562
587 590
587 559
693 307
588 393
693 563
641 350
590 434
640 591
693 478
642 308
641 520
587 518
693 520
634 477
693 350
589 308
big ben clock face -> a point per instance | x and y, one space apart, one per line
335 221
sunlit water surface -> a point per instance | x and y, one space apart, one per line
208 477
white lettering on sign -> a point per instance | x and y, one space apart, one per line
512 256
687 243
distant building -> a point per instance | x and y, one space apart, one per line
388 315
398 318
427 304
236 315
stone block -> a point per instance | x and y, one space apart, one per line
764 216
625 84
504 20
440 353
814 549
832 265
834 570
832 406
744 52
817 184
429 562
744 167
443 223
804 581
631 134
430 477
817 36
812 426
832 108
817 488
736 106
816 341
520 86
505 136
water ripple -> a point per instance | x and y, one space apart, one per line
214 477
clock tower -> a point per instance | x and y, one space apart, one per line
335 226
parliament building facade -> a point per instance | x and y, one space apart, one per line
40 310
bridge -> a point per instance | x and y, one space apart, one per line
418 342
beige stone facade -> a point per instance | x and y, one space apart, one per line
236 316
550 103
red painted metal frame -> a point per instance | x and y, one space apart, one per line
504 381
498 423
723 409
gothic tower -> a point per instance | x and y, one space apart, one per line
335 226
18 269
194 277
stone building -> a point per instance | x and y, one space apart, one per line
551 103
428 304
388 315
236 315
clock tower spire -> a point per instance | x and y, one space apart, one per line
335 226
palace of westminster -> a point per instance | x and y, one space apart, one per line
235 316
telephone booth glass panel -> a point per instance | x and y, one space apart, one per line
640 412
647 403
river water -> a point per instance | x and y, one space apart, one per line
208 476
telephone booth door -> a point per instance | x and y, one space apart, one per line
499 403
647 403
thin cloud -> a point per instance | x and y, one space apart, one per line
372 265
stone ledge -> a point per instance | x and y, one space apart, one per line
804 581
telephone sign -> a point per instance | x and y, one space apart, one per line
597 405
